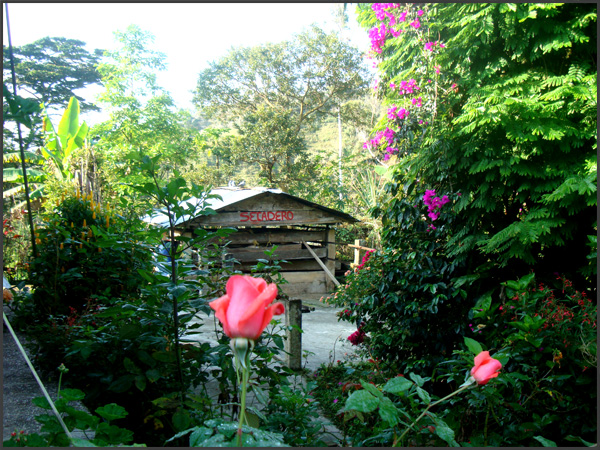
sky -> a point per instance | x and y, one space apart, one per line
189 34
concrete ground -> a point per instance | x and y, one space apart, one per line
324 340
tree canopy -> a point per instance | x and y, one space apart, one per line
52 68
307 76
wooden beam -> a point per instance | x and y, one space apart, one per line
247 256
360 247
270 236
323 266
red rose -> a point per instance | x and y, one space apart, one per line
246 309
485 368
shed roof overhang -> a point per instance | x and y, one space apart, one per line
254 207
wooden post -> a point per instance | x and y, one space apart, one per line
293 316
330 261
227 261
358 243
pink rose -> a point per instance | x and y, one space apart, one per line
485 368
246 309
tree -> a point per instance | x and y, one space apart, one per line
509 94
308 76
53 68
267 139
142 115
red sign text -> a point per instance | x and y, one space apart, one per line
266 216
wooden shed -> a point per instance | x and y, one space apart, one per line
302 230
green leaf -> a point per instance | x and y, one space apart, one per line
424 395
177 291
121 384
362 401
140 382
419 380
484 303
78 140
146 358
398 385
72 394
130 366
153 375
69 123
115 435
164 356
578 439
130 331
372 389
42 402
520 325
545 442
83 418
112 411
445 432
181 419
388 412
78 442
473 346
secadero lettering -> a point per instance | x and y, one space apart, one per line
266 216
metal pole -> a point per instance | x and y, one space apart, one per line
340 147
14 81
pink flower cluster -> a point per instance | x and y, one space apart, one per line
415 24
379 34
394 113
365 259
357 337
390 151
431 45
380 10
406 87
388 134
434 204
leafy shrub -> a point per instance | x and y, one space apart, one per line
548 386
294 413
83 251
334 384
409 296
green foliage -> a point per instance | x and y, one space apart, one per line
83 251
52 68
267 140
373 409
307 76
134 341
546 340
293 412
17 108
60 143
142 115
221 433
512 126
409 297
97 425
21 111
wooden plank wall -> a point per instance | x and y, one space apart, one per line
302 271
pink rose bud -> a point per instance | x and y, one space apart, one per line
247 308
485 368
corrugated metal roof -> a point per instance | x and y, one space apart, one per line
231 196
